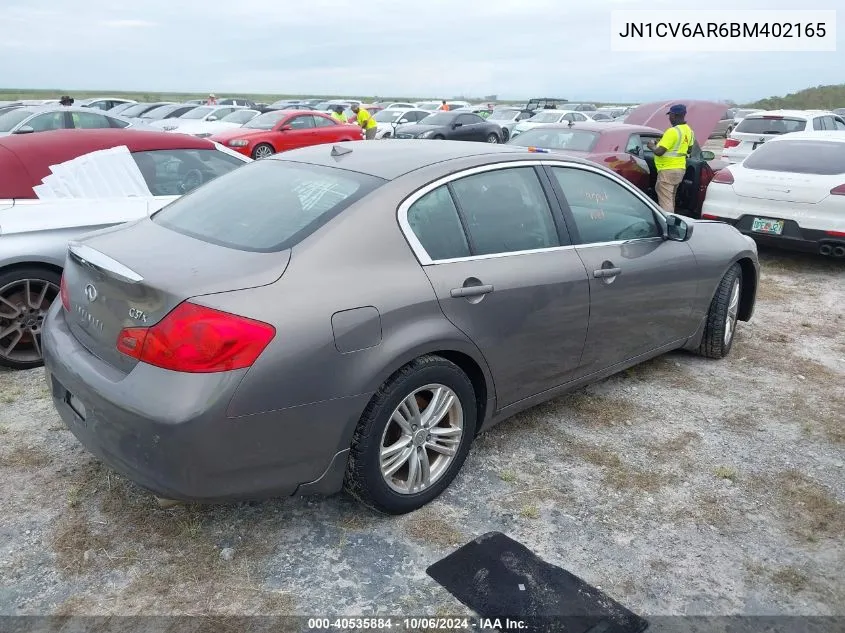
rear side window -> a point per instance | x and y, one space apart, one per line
266 206
435 221
825 158
773 125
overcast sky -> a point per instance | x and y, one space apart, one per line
516 49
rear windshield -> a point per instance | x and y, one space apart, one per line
266 206
825 158
572 140
760 125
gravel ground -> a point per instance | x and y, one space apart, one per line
683 486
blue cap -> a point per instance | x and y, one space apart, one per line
678 108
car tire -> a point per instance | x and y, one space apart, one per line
492 137
720 327
438 137
505 135
261 151
416 382
12 289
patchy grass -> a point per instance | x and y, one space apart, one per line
10 394
530 512
429 526
600 410
776 291
675 445
508 475
707 509
664 370
726 472
810 510
22 457
790 578
820 414
4 428
616 472
743 420
76 545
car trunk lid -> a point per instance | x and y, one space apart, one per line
117 278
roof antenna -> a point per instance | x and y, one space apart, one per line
337 150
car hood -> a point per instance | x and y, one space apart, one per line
238 132
702 116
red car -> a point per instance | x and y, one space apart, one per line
622 147
281 130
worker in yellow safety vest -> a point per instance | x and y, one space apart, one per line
366 121
670 156
338 115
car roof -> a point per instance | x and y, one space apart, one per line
392 159
798 114
812 135
26 159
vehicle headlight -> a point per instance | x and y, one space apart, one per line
238 142
425 134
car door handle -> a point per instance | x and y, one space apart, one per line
471 291
604 273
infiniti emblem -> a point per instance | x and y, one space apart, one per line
90 292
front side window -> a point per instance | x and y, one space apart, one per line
505 211
635 145
603 210
435 221
174 172
469 119
265 206
301 123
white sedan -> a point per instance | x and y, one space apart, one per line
790 192
202 113
203 128
387 119
545 117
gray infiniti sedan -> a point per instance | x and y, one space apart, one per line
352 316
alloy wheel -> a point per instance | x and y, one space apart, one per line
263 152
733 310
421 439
23 306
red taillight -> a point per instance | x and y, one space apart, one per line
707 216
63 291
836 233
838 191
731 142
724 176
196 339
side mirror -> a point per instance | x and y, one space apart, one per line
454 125
285 128
706 154
211 118
403 120
677 229
25 129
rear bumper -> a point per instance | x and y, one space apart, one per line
168 432
794 237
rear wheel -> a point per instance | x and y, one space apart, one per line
438 137
25 296
505 135
720 329
263 150
413 437
492 137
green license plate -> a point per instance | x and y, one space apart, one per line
766 225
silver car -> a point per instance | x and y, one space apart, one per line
29 119
353 315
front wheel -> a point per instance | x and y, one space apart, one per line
505 135
492 137
720 329
25 296
262 150
413 437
